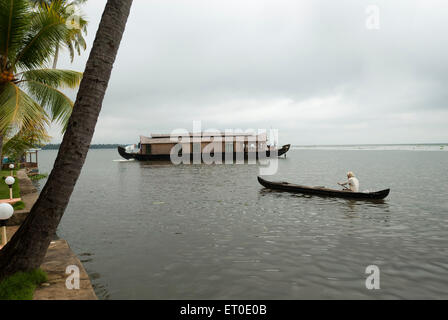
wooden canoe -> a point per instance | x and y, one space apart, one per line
285 186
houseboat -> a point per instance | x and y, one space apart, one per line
220 145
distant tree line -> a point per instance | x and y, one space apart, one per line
56 146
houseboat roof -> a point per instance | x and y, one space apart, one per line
204 136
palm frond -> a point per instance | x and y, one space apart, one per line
43 84
17 143
18 109
74 40
14 22
58 105
54 77
71 49
39 45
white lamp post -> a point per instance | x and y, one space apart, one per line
10 181
11 166
6 212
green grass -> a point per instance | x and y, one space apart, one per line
21 285
38 176
4 189
20 205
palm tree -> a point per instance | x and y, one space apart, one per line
30 94
74 40
16 145
27 248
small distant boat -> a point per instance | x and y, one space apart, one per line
322 191
158 147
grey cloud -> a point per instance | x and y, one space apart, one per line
308 68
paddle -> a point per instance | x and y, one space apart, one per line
345 188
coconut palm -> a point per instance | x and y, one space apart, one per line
15 146
74 40
30 93
27 248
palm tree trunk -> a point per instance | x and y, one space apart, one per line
28 247
56 56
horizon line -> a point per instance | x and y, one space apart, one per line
309 145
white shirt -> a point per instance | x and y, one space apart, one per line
353 182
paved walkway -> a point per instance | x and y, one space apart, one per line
59 256
29 195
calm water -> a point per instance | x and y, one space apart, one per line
211 232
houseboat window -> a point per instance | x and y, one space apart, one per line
148 149
229 147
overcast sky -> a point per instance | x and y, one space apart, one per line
311 69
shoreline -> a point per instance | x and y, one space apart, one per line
58 257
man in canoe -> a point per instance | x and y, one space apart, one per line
352 182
